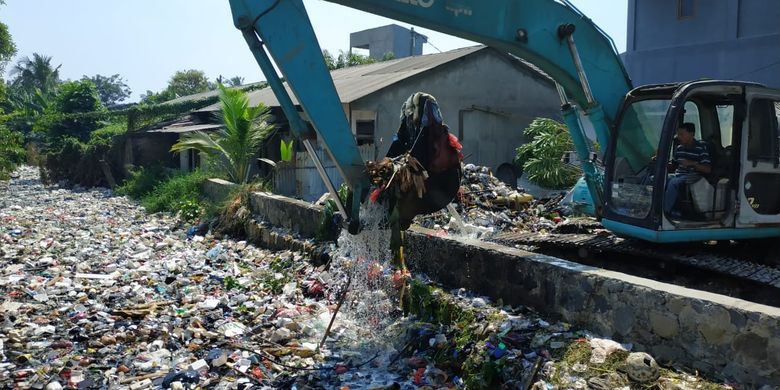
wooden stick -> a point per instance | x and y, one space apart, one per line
338 307
153 375
529 380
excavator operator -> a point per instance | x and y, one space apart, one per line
690 161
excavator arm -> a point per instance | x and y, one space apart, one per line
590 73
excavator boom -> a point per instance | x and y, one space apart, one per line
539 31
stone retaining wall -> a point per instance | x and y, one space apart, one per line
717 335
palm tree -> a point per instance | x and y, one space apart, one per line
234 147
36 73
236 81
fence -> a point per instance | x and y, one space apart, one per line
299 178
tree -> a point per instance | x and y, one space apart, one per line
330 62
235 81
540 157
188 82
78 96
346 60
7 46
233 148
62 119
388 56
111 89
151 97
11 151
36 73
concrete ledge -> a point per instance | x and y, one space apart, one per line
217 189
715 334
724 337
295 215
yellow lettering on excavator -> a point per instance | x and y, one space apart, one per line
752 202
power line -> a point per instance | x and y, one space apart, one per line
432 45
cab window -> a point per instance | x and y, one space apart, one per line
762 144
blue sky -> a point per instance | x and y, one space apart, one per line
146 41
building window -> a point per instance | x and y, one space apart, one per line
364 132
686 9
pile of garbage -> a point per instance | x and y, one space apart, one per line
486 205
98 294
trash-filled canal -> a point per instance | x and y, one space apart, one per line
98 294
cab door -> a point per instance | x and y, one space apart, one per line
759 191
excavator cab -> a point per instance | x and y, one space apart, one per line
738 121
736 199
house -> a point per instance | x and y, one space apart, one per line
678 40
487 98
149 143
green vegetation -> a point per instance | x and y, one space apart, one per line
234 214
467 354
232 150
346 60
111 89
11 151
540 157
75 97
329 229
160 190
182 83
142 181
178 194
68 158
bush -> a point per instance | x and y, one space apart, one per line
540 157
62 158
11 151
76 112
142 181
180 193
68 158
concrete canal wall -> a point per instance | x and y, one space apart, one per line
715 334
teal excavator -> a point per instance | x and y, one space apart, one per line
634 127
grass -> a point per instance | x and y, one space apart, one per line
142 181
235 212
179 194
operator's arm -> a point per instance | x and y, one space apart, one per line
704 165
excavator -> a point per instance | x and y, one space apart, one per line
634 126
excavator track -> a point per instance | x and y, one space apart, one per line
710 258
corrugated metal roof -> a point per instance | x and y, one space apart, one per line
358 81
207 94
185 129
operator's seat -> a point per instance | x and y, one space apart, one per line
709 194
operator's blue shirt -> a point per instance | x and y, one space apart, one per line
697 152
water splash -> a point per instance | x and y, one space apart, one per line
366 260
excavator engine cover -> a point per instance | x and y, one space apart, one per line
424 134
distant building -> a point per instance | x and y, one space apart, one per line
401 42
487 98
677 40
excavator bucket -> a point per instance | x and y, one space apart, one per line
426 139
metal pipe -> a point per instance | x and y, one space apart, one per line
580 69
562 94
324 175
